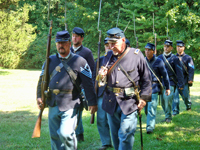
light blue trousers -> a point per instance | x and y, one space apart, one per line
102 124
151 111
62 129
167 102
123 129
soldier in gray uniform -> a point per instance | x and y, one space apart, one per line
63 96
86 53
126 72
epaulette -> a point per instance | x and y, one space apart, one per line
137 51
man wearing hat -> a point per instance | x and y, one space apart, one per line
102 119
176 78
63 95
158 74
79 49
124 70
188 72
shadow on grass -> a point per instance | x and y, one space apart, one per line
3 73
17 128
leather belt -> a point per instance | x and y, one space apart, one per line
57 91
115 89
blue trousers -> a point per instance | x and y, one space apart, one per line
123 129
102 124
167 102
151 112
185 96
62 129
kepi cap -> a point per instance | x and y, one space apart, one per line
78 31
115 34
127 42
106 41
62 36
150 46
180 43
168 42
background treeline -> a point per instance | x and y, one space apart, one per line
24 25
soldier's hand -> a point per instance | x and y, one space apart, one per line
39 103
180 89
93 109
167 92
141 104
190 82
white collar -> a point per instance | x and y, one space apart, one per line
76 48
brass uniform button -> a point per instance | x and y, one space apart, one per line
57 82
110 101
117 82
116 94
119 69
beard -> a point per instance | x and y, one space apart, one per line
76 44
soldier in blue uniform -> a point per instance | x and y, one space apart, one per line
79 49
174 70
124 70
128 43
158 74
102 119
188 72
63 96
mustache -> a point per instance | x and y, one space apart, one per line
61 48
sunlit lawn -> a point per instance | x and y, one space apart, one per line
18 113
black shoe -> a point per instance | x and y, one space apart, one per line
80 137
149 131
104 147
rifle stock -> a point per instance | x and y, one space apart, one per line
44 86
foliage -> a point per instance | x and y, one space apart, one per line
16 35
177 20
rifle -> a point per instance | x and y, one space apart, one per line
97 66
167 30
154 34
135 32
137 92
65 16
118 17
44 85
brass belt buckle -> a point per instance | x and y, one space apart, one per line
56 91
116 90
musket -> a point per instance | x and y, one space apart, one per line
136 38
118 17
127 26
44 83
97 64
167 30
65 16
154 34
137 93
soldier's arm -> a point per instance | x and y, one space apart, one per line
163 72
145 80
190 70
179 73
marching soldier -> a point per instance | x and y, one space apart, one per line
158 74
79 49
63 95
102 119
176 78
188 72
125 70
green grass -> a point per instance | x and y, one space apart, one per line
18 113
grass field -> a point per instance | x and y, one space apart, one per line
18 113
